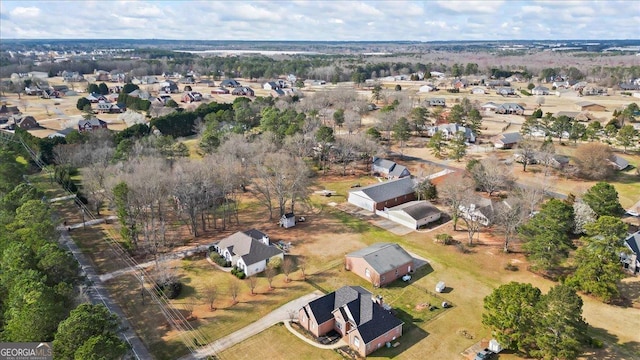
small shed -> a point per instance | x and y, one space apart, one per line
288 220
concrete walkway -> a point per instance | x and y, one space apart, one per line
278 315
339 344
98 295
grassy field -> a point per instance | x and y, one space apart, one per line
277 343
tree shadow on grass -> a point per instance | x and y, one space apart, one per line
629 294
611 349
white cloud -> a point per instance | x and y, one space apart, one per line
25 12
488 7
321 20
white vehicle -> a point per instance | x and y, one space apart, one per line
440 286
406 277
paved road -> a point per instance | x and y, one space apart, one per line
278 315
167 257
98 294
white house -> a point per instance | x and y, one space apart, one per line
478 91
414 214
271 85
540 90
449 130
426 88
482 212
389 168
250 251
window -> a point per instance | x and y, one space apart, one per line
356 342
313 325
396 272
339 325
367 273
382 278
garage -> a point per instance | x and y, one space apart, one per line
414 214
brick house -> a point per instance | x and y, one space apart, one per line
380 263
366 325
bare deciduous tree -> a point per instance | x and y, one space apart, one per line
211 294
454 193
526 153
593 161
302 265
234 289
287 267
253 281
509 215
492 175
270 272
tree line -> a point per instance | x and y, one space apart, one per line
41 295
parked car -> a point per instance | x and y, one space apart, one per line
406 277
485 354
440 286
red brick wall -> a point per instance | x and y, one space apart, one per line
358 266
396 201
308 323
381 341
391 275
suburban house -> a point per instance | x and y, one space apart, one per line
507 140
250 251
482 211
590 106
498 83
489 107
96 98
191 96
27 122
61 133
271 85
380 263
169 87
366 325
414 214
243 91
510 108
449 130
540 90
618 162
219 91
631 260
109 107
389 168
506 91
437 102
427 88
383 195
91 124
478 91
230 83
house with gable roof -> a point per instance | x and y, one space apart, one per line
383 195
380 263
449 130
366 325
510 108
389 169
507 140
250 251
414 214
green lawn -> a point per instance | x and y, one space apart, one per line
277 343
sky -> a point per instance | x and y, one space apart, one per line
331 20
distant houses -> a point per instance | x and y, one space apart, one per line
91 124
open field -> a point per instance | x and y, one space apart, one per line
286 346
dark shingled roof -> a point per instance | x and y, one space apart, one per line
355 303
383 257
256 234
388 190
633 241
384 163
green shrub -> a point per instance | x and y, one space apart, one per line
511 267
445 239
169 289
525 93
